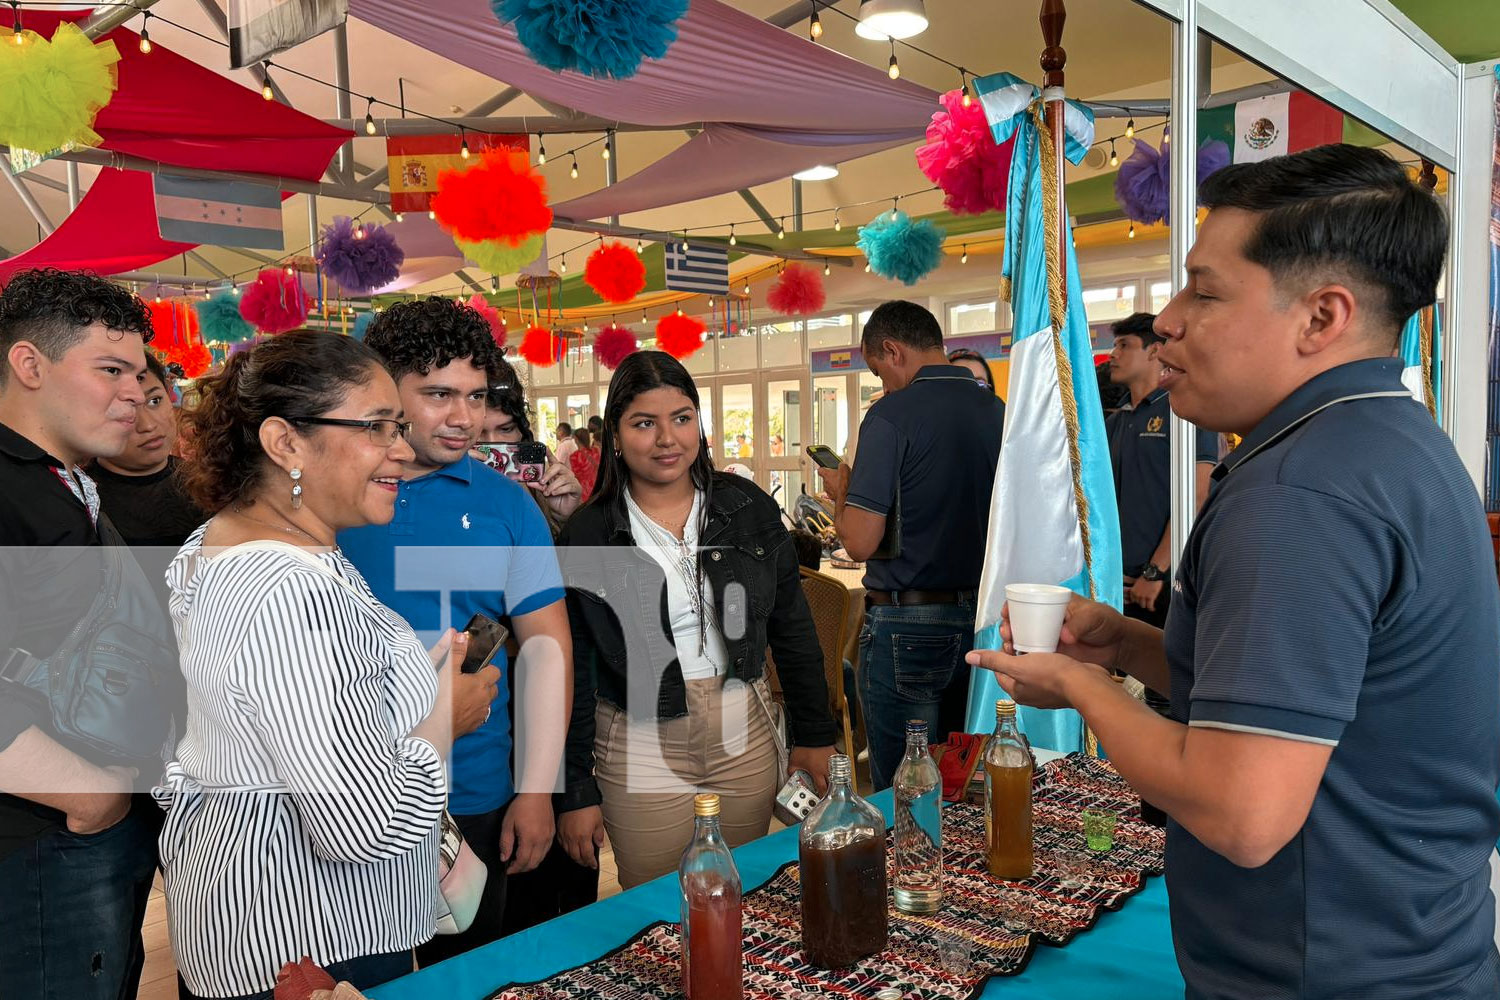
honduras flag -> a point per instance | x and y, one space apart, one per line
1411 358
1035 534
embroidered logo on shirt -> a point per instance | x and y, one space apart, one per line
1153 425
465 522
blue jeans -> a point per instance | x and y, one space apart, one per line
911 666
71 909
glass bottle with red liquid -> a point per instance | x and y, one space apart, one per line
841 849
712 932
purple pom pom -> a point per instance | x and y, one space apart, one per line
359 264
1144 184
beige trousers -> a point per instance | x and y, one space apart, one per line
648 773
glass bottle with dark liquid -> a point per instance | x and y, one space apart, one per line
712 931
1008 767
842 851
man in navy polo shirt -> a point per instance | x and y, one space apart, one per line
1333 646
465 539
914 510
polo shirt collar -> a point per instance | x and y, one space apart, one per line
1370 377
1151 398
943 371
462 470
23 449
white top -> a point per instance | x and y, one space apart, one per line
565 449
301 817
699 658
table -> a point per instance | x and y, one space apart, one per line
1127 955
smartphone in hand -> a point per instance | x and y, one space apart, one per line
824 456
531 461
486 639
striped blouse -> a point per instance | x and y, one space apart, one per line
301 817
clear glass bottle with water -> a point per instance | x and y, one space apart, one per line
919 826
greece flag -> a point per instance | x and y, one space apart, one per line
702 269
1034 529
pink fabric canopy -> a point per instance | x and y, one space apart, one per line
170 109
770 102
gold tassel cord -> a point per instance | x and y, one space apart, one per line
1058 305
1424 339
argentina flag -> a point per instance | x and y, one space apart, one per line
1053 517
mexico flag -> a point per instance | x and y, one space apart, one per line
416 160
1283 123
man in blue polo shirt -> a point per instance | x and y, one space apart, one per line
914 509
1333 647
466 540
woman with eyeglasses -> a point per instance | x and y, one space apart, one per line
975 363
304 799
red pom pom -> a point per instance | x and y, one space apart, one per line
499 198
299 980
679 335
614 344
961 158
541 348
615 271
492 316
275 302
798 291
177 337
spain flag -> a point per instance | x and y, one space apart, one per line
416 161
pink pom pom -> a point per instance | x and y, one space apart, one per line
614 344
797 291
961 158
679 335
492 316
275 302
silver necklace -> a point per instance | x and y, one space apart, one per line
684 559
290 529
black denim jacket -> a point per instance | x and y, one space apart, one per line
615 591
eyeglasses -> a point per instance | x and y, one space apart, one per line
383 432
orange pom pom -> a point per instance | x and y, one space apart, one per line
678 335
615 271
499 198
540 347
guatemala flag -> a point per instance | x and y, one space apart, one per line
1411 358
1034 530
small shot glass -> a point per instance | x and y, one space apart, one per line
1099 829
954 955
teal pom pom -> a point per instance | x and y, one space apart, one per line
220 321
606 39
901 249
361 324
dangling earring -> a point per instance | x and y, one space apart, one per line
296 489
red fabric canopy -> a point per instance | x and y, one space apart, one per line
170 109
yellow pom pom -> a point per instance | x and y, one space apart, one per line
51 91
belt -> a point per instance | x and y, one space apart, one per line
906 598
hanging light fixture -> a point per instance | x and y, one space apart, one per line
431 214
815 25
463 147
564 266
747 286
609 137
495 287
821 172
895 207
781 228
827 269
146 35
837 225
1114 157
964 259
639 246
1130 233
206 294
573 172
1130 129
234 288
890 19
679 310
370 116
541 151
359 230
644 320
893 68
963 78
400 216
15 24
732 240
265 88
710 302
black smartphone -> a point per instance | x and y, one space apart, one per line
486 639
531 461
824 456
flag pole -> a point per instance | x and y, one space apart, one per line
1053 14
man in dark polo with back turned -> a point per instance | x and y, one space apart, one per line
914 510
1333 644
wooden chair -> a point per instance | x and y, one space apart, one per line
830 603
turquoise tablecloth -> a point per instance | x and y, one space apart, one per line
1127 955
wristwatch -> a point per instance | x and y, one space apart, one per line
1153 574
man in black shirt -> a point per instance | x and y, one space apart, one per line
76 849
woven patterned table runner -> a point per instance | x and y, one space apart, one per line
985 928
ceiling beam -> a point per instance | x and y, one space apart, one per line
28 199
788 16
107 19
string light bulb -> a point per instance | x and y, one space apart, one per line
207 294
400 216
837 223
895 208
234 288
710 302
290 270
679 310
827 269
781 228
1130 233
1130 129
431 214
573 172
15 25
564 266
815 25
639 246
158 297
867 268
541 151
359 230
747 286
266 92
894 68
964 258
370 117
968 99
463 147
1114 157
609 137
145 35
732 240
644 320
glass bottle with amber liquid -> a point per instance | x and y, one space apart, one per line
1008 767
712 929
841 847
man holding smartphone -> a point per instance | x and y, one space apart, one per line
467 541
914 510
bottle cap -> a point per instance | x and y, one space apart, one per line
916 727
1005 709
705 805
889 994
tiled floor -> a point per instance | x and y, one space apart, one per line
159 980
